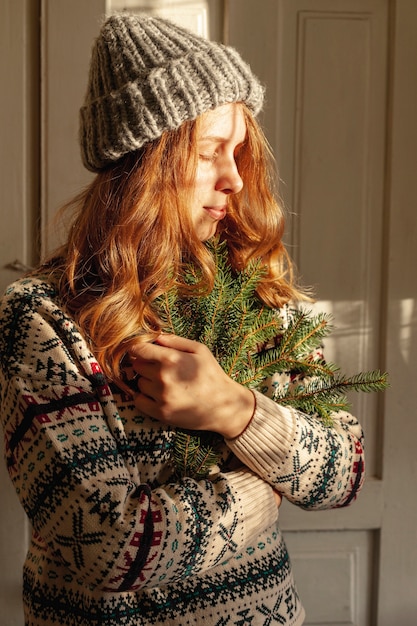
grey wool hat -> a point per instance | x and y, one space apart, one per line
148 75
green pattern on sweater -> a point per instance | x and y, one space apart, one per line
117 540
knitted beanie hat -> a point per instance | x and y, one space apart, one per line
148 75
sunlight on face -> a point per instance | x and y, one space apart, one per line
221 134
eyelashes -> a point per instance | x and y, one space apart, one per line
210 158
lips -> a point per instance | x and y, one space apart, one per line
216 212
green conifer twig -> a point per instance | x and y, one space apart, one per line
250 343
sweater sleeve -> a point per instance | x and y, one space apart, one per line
312 465
80 482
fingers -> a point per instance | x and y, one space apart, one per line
161 369
146 351
172 359
147 386
178 343
181 383
147 358
147 405
156 351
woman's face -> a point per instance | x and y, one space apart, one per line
220 136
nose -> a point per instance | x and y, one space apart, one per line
230 180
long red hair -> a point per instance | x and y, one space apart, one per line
132 233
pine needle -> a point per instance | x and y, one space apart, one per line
251 343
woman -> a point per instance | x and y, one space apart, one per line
92 391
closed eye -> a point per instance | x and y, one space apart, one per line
209 157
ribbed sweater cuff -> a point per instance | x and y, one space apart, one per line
257 502
268 438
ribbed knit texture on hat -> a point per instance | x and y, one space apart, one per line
148 75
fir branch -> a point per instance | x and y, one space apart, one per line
195 453
304 333
325 396
251 344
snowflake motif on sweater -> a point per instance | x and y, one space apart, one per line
117 540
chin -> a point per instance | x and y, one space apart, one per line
206 234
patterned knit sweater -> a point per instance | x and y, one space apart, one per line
117 540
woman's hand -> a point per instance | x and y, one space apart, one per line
180 383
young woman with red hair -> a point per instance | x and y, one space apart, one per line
92 390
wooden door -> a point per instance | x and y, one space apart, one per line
19 190
340 115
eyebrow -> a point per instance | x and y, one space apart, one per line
217 139
213 138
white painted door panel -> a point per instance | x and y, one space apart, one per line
18 211
341 88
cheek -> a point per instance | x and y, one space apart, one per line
201 184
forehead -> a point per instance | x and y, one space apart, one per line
226 122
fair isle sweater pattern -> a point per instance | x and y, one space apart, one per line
116 539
